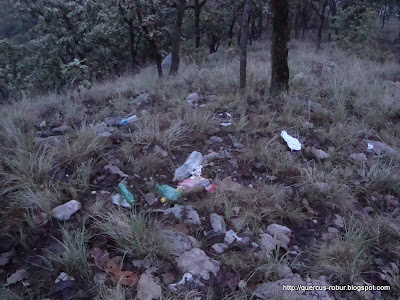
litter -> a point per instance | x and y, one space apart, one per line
187 277
163 200
227 124
194 182
117 199
167 192
129 120
370 146
192 162
292 143
125 194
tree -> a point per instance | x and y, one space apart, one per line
243 44
176 39
319 6
279 49
197 12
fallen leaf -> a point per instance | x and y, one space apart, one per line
5 257
17 276
182 228
114 265
100 257
125 278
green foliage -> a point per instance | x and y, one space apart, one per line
356 28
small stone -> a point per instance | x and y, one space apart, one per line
177 241
379 148
333 230
319 154
219 248
274 229
238 146
61 130
143 98
361 157
231 237
339 221
215 140
282 271
150 198
217 223
315 221
147 288
192 98
255 245
160 151
267 242
197 263
65 211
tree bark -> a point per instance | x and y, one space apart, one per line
135 63
279 49
243 44
321 24
197 12
176 39
260 23
297 21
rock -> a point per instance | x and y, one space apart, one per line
255 245
319 154
279 233
213 130
183 211
197 263
275 229
276 290
61 130
215 140
210 157
361 157
160 151
231 237
219 248
282 271
339 221
192 99
65 211
322 187
333 230
238 223
210 98
150 198
217 223
177 241
227 185
48 141
379 148
148 289
267 242
113 121
166 63
143 98
238 146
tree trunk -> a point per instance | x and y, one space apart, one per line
243 44
321 25
297 21
260 23
176 39
232 25
279 49
135 63
197 11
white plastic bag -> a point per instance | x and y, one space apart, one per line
292 143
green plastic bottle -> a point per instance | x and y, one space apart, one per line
168 192
125 193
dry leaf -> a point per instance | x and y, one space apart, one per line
5 257
100 257
125 278
114 265
17 276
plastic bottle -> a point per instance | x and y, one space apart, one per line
192 162
125 193
129 120
168 192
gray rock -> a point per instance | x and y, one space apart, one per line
339 221
192 98
217 223
160 151
238 146
358 157
322 187
275 229
319 154
150 198
267 242
219 248
215 140
61 130
197 263
379 148
282 271
177 241
184 213
275 290
113 121
143 98
65 211
147 288
166 63
333 230
231 237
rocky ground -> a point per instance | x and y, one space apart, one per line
325 215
